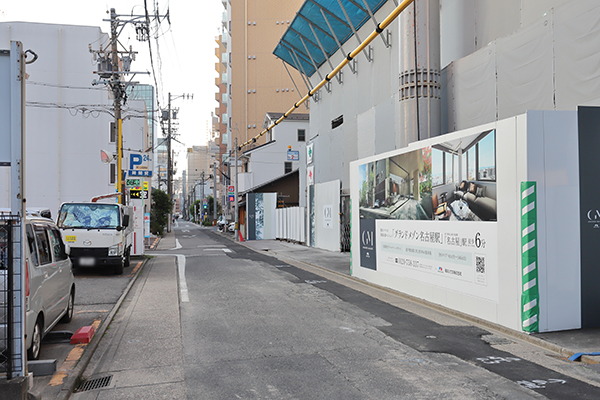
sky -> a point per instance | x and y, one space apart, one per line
186 49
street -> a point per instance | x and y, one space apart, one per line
227 322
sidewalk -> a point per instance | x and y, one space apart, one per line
140 354
565 343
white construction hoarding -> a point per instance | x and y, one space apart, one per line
484 221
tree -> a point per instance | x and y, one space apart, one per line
210 201
159 216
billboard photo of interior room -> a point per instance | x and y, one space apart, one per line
464 179
449 181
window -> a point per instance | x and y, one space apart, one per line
58 247
486 158
288 167
112 179
448 167
113 132
337 122
437 167
468 165
32 246
301 135
43 245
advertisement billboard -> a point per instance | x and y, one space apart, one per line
429 214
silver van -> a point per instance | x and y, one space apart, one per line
49 283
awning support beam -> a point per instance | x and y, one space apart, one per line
327 87
352 64
369 52
387 38
338 76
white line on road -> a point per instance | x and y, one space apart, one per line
183 290
177 245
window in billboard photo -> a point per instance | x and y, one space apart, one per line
449 181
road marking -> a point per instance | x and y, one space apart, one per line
226 250
183 290
177 245
315 282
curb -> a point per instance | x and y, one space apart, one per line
495 328
75 375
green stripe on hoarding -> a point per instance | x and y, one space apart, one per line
351 237
530 295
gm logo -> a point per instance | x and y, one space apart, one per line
593 215
594 218
367 238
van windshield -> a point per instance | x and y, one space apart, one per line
89 216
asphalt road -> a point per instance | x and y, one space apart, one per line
257 328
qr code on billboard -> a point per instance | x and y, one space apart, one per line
480 264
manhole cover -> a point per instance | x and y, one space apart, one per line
92 384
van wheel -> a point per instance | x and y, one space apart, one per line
36 341
69 314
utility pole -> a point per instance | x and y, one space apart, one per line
236 192
111 76
169 167
170 116
115 84
214 190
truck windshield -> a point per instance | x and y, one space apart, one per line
89 216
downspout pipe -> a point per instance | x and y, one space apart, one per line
420 82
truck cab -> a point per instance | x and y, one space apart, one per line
97 234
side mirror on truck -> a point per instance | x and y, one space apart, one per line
125 220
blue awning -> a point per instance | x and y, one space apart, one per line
318 27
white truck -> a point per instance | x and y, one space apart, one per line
97 234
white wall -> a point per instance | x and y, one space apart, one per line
62 145
327 215
267 162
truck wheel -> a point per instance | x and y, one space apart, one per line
128 257
119 267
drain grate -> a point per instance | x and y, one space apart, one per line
92 384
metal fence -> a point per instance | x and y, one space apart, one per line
10 315
345 223
291 224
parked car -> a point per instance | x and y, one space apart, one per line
49 282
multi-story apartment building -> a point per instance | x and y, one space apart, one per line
260 83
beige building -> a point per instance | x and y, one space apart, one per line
260 82
198 161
